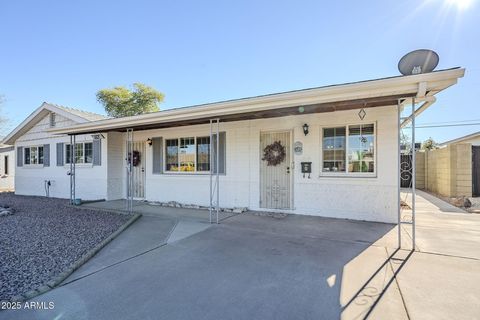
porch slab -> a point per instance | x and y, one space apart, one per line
146 209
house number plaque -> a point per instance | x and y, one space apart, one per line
298 148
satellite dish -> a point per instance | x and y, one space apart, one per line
418 61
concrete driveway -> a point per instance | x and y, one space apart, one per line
297 267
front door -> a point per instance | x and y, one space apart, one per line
139 170
275 170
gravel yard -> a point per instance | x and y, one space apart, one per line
43 237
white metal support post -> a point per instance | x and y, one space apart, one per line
214 169
73 161
129 168
70 173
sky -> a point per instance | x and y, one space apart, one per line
205 51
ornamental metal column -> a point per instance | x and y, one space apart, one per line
73 161
129 168
214 169
399 168
407 170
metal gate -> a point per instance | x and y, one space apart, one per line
406 170
476 171
275 181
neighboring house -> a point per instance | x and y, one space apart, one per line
453 170
7 167
36 151
473 139
345 135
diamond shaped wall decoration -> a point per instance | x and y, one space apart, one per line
362 114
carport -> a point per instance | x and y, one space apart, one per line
410 94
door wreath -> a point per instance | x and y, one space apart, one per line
274 154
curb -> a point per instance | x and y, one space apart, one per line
49 285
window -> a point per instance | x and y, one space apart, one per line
361 147
203 154
33 155
5 167
83 152
334 144
349 149
186 154
171 155
190 154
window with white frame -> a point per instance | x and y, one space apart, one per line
189 154
83 152
33 155
349 149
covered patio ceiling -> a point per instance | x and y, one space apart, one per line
364 94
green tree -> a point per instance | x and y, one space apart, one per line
429 144
123 102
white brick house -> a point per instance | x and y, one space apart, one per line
353 158
36 149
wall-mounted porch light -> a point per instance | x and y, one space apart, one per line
149 141
305 129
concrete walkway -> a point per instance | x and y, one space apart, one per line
427 203
157 227
297 267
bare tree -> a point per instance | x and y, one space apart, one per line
3 119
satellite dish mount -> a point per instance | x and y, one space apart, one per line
418 61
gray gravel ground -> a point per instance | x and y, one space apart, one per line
44 237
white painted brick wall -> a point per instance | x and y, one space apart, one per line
91 181
373 198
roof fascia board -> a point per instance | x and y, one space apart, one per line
362 90
9 139
23 127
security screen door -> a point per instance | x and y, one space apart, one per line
275 180
139 171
